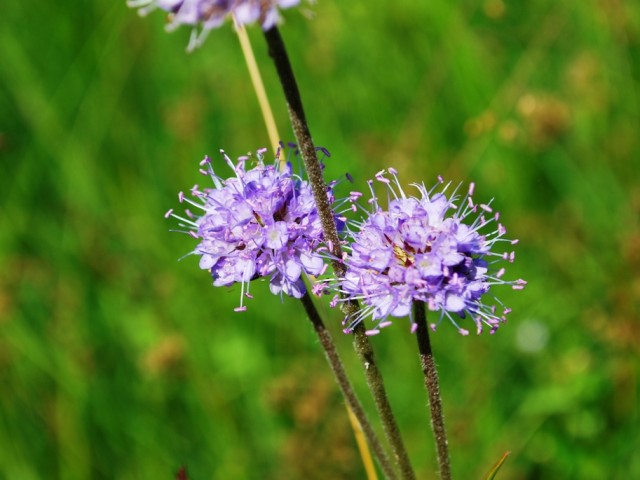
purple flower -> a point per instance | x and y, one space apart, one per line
260 223
433 248
205 15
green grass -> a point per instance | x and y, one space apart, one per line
118 361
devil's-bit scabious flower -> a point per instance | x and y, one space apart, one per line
262 222
205 15
434 248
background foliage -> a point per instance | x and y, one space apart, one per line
118 361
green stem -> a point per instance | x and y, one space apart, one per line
433 388
345 386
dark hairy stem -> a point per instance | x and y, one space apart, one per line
278 53
345 386
376 386
433 388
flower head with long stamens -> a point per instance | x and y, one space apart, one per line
205 15
432 248
262 222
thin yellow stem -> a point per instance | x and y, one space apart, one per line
258 86
274 138
363 447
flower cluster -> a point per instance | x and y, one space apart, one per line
430 249
205 15
262 222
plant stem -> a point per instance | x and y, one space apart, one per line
376 386
258 87
433 388
345 386
363 446
270 123
278 53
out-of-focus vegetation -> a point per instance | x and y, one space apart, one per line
119 362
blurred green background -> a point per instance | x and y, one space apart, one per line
119 362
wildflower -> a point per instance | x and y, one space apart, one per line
262 222
205 15
428 248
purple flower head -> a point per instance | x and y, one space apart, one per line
205 15
262 222
432 248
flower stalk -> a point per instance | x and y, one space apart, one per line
433 388
363 348
258 87
340 374
362 429
278 52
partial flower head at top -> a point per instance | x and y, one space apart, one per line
205 15
262 222
432 248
